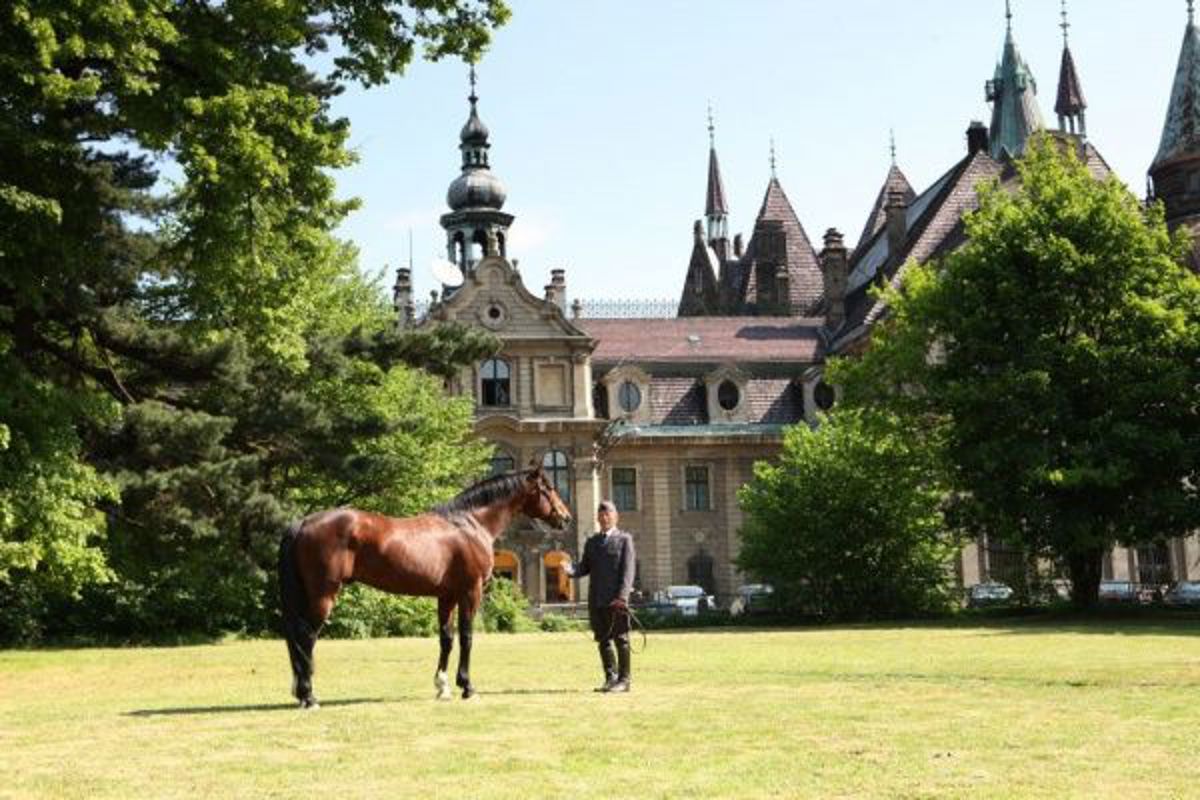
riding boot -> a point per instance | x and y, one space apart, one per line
609 662
623 666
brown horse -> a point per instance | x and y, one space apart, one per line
446 554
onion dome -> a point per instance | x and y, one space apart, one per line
477 186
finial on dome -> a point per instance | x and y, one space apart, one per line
472 97
711 139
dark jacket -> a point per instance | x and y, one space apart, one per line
611 562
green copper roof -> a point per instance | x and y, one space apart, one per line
1181 131
1013 94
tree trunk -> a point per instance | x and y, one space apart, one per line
1085 569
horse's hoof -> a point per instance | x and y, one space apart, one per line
468 692
445 695
309 704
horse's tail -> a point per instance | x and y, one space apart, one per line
298 631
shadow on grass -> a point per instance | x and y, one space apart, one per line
164 712
534 692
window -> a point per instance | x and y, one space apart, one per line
629 396
502 462
824 395
555 465
695 481
495 386
1154 563
624 488
728 395
600 401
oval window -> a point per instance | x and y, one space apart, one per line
824 395
728 395
629 396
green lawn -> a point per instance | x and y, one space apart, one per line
1030 709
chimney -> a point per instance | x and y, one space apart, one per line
402 299
835 271
783 299
977 137
556 289
897 229
737 246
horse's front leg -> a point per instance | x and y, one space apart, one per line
467 606
446 640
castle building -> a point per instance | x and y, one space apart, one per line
666 416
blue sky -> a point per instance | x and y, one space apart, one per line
598 119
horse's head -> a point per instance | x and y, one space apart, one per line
542 500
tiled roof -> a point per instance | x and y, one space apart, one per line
1181 131
774 400
677 401
935 226
895 181
1070 93
805 284
705 339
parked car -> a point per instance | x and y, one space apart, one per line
1118 592
992 593
689 600
753 598
1184 594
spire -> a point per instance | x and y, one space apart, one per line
716 211
475 226
1013 94
1181 131
1070 104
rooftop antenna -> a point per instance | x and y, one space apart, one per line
772 158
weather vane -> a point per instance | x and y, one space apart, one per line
1064 25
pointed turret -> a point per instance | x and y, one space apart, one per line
895 181
716 211
700 296
1069 105
1176 168
1013 95
780 273
475 226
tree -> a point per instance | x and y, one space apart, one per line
1059 352
204 345
848 523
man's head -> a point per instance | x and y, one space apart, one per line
607 515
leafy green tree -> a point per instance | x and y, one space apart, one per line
1058 352
204 344
848 523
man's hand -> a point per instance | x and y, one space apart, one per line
568 568
619 604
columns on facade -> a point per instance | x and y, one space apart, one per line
659 474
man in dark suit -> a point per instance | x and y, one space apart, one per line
608 557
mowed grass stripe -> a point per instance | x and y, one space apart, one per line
1004 710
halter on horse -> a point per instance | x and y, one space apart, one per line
446 554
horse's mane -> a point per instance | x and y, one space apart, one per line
486 492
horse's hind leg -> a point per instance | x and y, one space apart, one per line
466 621
446 641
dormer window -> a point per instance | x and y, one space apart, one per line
629 396
495 387
728 395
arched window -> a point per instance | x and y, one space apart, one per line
556 466
824 395
502 462
495 388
